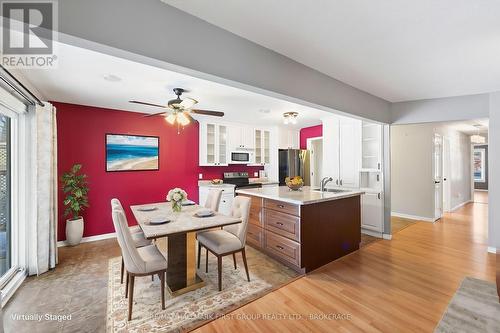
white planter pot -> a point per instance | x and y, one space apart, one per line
74 231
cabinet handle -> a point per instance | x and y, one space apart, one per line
281 206
280 247
279 223
378 178
336 181
341 182
378 195
379 166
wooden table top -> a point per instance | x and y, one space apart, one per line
182 222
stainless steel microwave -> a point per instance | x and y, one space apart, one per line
241 157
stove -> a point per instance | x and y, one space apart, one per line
239 180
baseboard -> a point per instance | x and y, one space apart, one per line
97 237
387 236
11 287
413 217
460 205
492 249
372 233
479 190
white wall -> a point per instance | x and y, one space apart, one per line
158 34
441 109
411 167
494 169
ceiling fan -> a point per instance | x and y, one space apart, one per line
178 110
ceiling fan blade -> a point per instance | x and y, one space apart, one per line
208 113
148 104
156 114
188 103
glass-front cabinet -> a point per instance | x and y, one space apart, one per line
213 145
262 147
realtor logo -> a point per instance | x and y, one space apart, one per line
28 31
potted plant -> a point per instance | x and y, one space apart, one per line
74 186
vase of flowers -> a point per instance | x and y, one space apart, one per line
176 196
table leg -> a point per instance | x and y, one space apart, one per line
181 272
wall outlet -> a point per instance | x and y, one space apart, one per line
200 176
256 174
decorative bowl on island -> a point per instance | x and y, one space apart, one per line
294 183
216 181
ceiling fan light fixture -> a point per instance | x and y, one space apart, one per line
476 138
290 118
171 118
182 119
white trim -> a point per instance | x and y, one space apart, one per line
414 217
11 287
372 233
480 190
492 249
461 205
387 236
98 237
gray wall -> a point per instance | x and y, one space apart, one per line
412 168
494 164
157 31
441 109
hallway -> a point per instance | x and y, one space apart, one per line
381 287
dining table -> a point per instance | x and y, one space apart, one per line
180 232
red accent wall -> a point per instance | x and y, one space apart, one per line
309 132
81 139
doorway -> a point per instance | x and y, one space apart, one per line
438 176
315 146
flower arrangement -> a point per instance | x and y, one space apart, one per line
176 196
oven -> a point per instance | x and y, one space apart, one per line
241 157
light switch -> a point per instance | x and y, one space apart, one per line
200 176
256 174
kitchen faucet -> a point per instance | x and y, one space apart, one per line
325 181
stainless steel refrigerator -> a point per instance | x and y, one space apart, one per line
294 162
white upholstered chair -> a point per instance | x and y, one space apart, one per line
142 261
230 240
137 236
213 199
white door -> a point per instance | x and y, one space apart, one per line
316 147
350 150
222 151
438 176
446 175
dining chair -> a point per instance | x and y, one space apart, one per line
213 199
230 240
137 235
142 261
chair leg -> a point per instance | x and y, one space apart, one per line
152 277
126 285
131 298
243 254
219 269
206 262
162 286
199 254
121 272
234 259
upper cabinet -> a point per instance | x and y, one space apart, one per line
213 144
262 146
288 139
371 159
342 150
240 137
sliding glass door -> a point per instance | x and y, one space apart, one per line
5 195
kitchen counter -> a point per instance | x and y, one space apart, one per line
306 196
208 183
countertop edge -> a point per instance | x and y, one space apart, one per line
298 202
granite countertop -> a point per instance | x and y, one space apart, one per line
263 181
306 196
208 183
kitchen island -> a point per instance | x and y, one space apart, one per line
304 229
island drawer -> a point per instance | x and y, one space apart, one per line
255 235
283 224
283 248
282 207
255 216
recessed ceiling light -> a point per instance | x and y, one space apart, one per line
112 78
264 111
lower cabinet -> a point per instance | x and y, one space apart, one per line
226 201
372 213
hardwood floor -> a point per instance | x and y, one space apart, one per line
481 197
402 285
399 223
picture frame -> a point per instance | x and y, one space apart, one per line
131 152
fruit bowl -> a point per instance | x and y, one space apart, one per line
294 183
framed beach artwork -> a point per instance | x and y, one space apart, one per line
479 165
132 152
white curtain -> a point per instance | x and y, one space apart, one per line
42 229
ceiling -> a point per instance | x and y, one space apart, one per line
80 78
396 49
470 127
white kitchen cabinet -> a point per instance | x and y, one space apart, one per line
213 148
226 201
288 139
262 147
371 159
372 212
342 151
241 137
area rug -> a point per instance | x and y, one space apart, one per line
192 309
473 308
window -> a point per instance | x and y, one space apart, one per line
5 195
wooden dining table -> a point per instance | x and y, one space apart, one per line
181 239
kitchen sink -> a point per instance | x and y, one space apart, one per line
331 190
